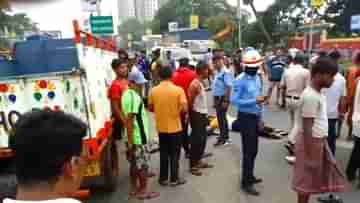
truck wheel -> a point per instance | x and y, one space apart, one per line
110 166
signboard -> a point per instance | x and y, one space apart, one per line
173 26
102 24
317 3
355 22
89 5
194 22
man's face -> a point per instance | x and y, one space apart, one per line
218 63
327 80
204 73
122 70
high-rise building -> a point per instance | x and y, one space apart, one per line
126 10
145 10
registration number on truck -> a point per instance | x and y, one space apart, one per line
93 169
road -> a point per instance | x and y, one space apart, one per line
222 184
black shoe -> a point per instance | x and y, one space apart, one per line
256 180
329 199
163 183
178 183
207 154
219 143
250 190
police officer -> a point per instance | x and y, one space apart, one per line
221 91
247 97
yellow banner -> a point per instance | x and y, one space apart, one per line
194 22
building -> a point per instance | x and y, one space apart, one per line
161 3
126 10
145 10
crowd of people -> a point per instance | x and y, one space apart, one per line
316 95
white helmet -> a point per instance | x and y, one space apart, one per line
252 58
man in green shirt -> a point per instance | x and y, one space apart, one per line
137 132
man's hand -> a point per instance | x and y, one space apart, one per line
225 105
261 99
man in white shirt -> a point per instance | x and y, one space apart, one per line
335 99
50 159
295 79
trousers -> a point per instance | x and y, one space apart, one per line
354 162
293 108
198 137
170 147
249 130
332 135
222 119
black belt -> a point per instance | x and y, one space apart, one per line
219 97
293 97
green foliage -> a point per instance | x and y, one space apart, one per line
181 10
134 27
18 24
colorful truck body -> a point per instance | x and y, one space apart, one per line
72 75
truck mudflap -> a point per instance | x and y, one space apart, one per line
102 170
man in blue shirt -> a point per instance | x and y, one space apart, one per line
247 97
221 88
276 69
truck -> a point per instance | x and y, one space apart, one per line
70 75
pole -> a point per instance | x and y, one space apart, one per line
98 7
239 18
311 33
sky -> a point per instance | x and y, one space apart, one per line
58 14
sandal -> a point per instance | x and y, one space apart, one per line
148 195
195 172
204 166
132 194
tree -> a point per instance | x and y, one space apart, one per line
181 10
17 24
259 20
135 27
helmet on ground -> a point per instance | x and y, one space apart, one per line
252 58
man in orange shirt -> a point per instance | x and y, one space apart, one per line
352 79
168 102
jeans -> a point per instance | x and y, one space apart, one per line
198 137
170 147
332 135
249 130
222 119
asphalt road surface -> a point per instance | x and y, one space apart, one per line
222 184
